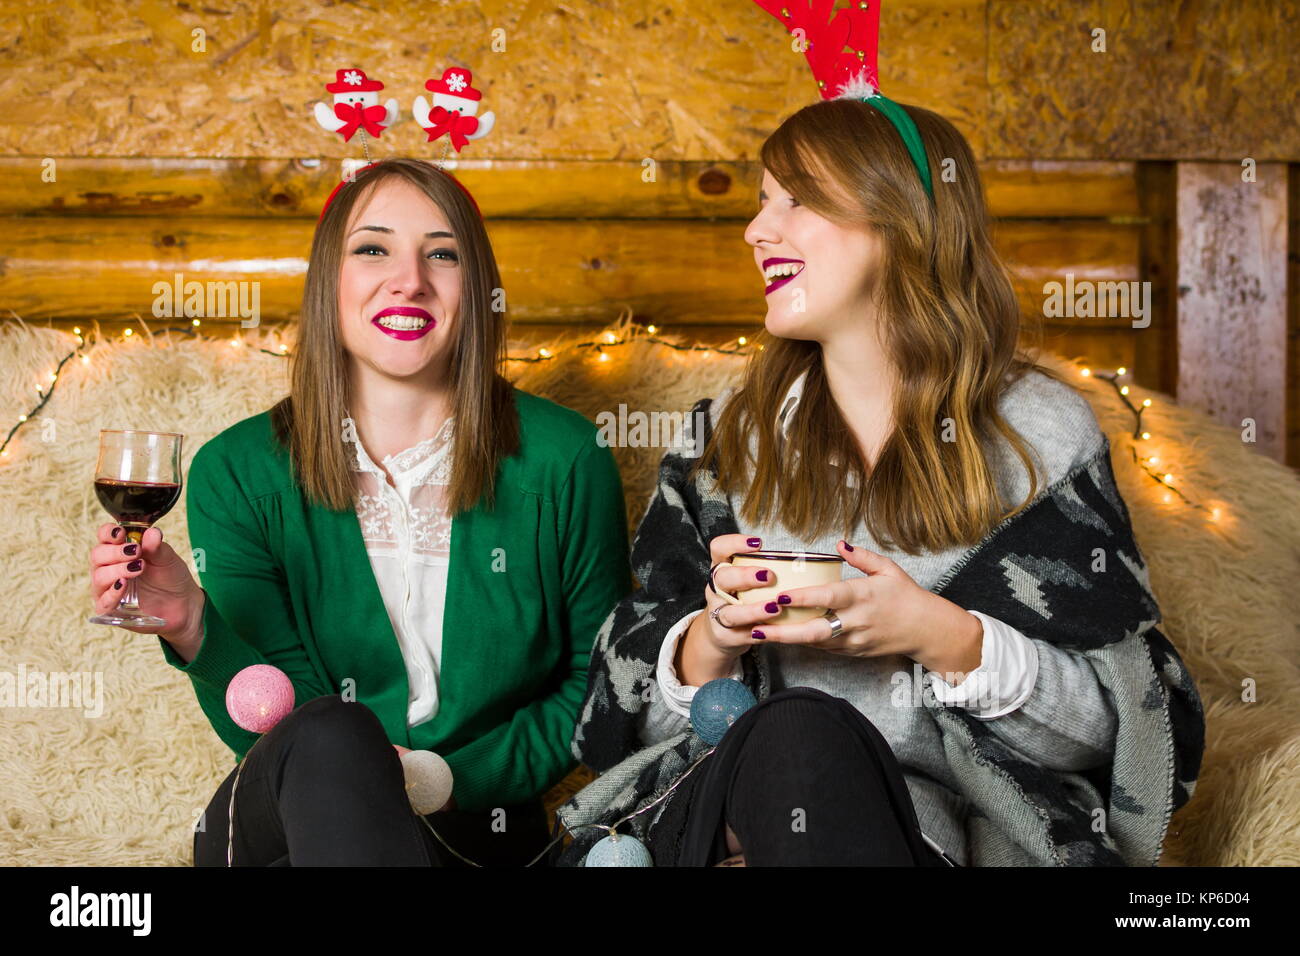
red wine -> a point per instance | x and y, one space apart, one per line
136 502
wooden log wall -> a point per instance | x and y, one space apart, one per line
147 138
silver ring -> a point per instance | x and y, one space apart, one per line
714 615
836 625
712 586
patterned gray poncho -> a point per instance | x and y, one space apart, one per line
1032 571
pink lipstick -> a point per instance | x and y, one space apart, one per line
782 280
405 334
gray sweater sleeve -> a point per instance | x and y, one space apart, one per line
657 721
1068 721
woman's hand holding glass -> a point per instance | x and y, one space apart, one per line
165 587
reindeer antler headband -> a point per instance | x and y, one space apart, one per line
841 51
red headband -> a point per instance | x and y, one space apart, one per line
344 182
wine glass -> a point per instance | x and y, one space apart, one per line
137 480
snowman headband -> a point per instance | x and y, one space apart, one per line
848 73
356 109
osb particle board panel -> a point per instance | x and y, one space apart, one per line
1207 79
595 79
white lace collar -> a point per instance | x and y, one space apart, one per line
419 456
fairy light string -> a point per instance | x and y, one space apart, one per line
567 830
1163 478
635 333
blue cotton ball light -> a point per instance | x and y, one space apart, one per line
717 705
619 850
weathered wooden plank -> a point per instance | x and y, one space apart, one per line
687 271
1293 318
1157 362
504 189
1232 319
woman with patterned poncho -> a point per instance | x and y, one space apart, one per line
989 686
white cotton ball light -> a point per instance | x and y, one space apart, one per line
428 780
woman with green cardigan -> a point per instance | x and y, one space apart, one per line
426 552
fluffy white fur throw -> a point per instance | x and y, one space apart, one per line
126 787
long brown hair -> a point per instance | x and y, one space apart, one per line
949 324
310 420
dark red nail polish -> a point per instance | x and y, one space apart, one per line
116 532
771 607
130 549
117 585
135 565
847 546
758 635
755 542
761 574
783 599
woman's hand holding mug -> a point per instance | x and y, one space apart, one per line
712 643
883 612
165 587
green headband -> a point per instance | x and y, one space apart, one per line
911 135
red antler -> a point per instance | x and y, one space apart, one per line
841 49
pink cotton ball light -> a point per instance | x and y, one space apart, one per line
258 697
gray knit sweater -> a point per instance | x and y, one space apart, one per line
1068 721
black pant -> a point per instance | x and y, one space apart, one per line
802 778
325 788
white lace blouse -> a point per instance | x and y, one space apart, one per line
407 531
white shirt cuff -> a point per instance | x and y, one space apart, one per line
1005 677
675 694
